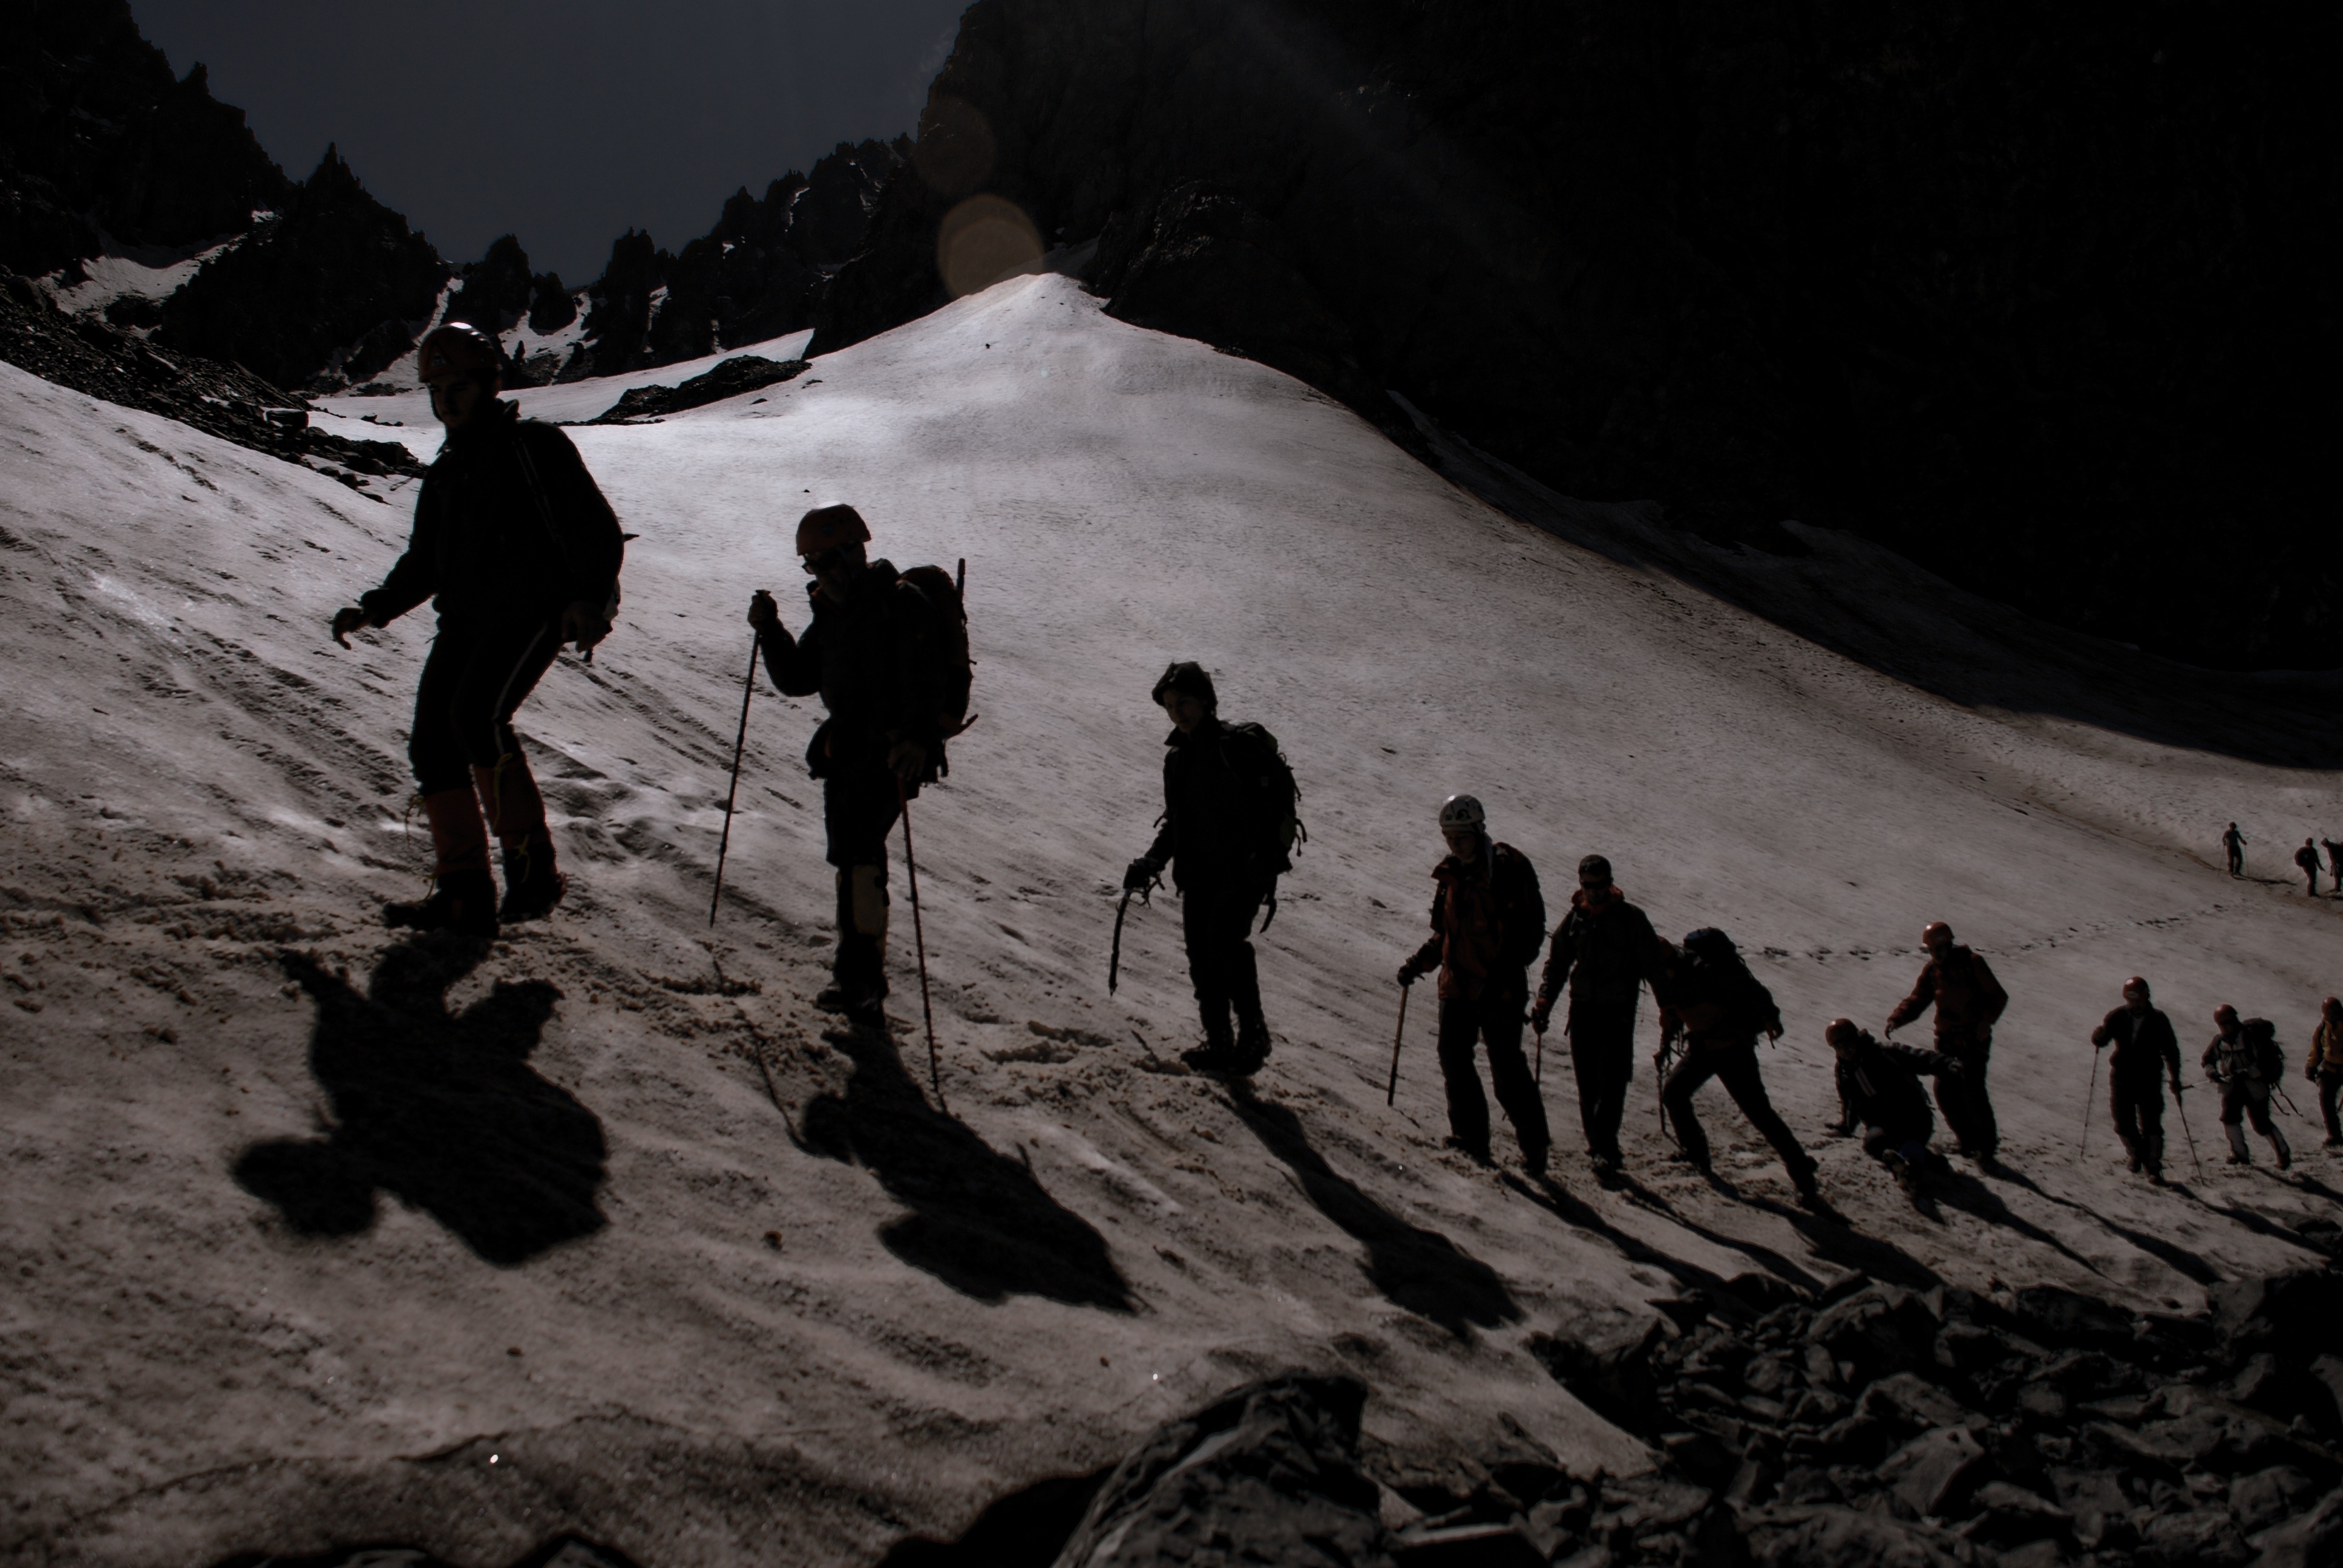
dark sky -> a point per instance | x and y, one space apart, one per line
562 121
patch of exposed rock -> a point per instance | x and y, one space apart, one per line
742 373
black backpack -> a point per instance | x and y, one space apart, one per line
953 671
2262 1048
1256 757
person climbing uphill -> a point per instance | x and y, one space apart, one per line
514 541
1488 922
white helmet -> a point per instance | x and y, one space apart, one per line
1461 813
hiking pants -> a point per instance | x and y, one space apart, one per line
1735 1067
1217 918
476 676
2328 1082
2236 860
2243 1099
1966 1106
1494 1017
1603 1059
858 808
2139 1106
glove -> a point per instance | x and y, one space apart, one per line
1542 1013
348 620
1408 974
1141 875
1955 1068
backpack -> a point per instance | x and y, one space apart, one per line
1278 795
951 670
2262 1050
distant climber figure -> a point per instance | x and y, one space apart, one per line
1709 997
2245 1061
2146 1053
1488 922
1228 834
1879 1092
2233 843
2334 862
2307 858
514 537
1969 1002
2325 1067
1605 950
869 653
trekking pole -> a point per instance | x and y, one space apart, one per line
748 691
2089 1095
920 936
1391 1095
1538 1074
2180 1103
1114 953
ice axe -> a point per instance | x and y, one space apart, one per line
1114 953
747 691
2089 1095
1391 1094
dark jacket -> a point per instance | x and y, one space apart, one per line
1713 1005
2143 1043
1218 829
870 660
509 526
2236 1059
1968 998
1488 922
1879 1087
1605 954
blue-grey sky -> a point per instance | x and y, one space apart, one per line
562 121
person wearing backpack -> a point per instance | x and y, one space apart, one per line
2306 860
879 651
519 553
1879 1092
1605 950
1969 1002
1708 996
2245 1061
2233 844
2325 1067
2334 862
2146 1052
1227 834
1488 922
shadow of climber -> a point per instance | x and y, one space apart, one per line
979 1221
1419 1269
440 1110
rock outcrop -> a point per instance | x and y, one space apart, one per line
226 400
2034 303
333 289
729 378
100 146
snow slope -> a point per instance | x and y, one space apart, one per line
314 1237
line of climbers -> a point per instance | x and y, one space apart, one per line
522 552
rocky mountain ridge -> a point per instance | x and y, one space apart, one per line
134 196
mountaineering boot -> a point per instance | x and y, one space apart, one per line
516 814
1252 1042
1533 1158
2151 1156
859 973
1608 1169
1219 1053
2131 1148
1476 1152
2283 1150
2238 1154
463 895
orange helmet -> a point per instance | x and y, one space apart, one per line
1841 1033
457 348
825 529
1937 931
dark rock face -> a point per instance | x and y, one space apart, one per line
98 141
2034 302
333 290
759 273
225 400
729 378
